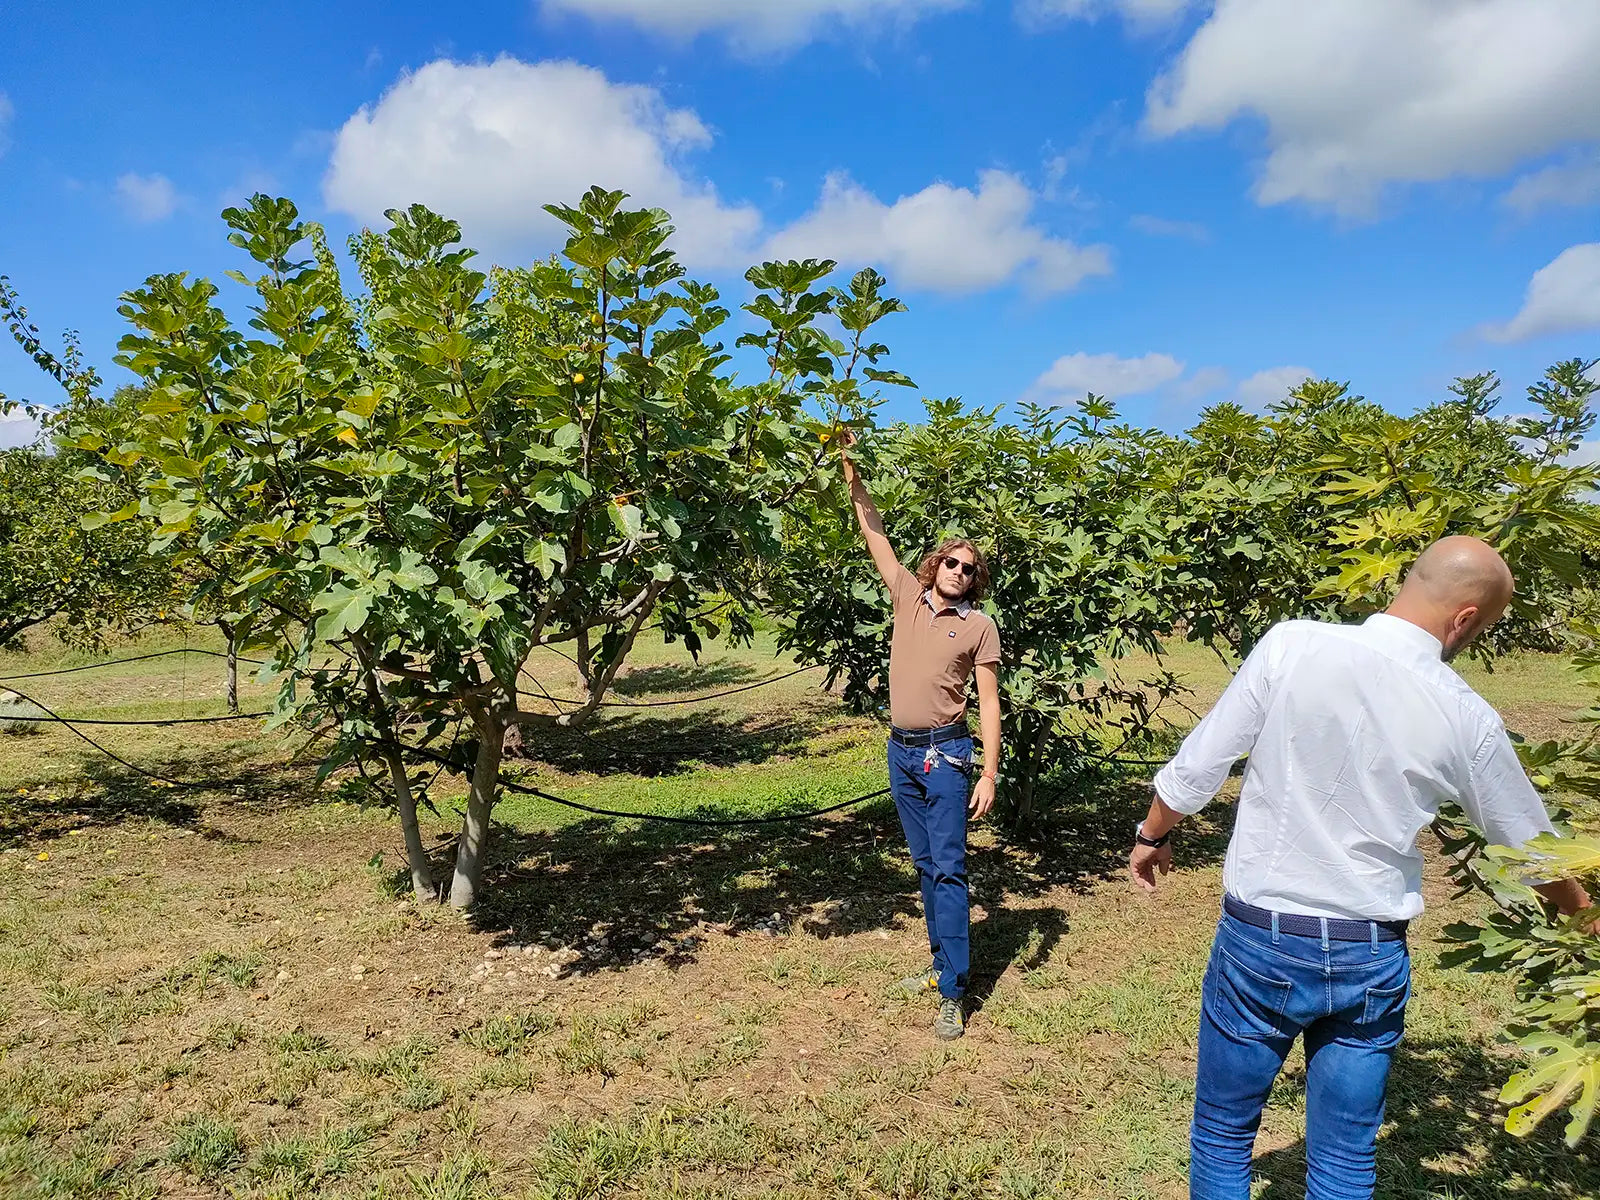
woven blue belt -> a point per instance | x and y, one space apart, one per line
1339 929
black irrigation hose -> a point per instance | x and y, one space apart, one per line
117 758
444 761
258 661
112 662
1124 762
249 716
749 687
522 788
660 818
509 785
558 701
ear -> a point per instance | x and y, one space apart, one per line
1466 619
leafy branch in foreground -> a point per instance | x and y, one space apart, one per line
1556 964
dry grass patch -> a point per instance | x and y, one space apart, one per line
223 994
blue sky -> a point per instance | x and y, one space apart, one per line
1172 201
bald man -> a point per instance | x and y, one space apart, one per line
1356 735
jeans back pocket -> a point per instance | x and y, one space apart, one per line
1245 1002
1384 1012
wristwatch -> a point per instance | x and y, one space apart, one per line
1153 843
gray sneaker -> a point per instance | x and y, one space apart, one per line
951 1022
921 983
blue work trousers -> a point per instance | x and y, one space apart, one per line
1261 990
931 798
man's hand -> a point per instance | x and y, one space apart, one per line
982 797
1570 898
845 437
1145 861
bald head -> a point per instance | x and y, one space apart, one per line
1458 571
1456 589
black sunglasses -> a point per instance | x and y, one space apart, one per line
967 569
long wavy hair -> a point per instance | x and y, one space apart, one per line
977 589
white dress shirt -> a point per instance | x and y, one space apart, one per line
1356 735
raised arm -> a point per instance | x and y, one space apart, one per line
867 516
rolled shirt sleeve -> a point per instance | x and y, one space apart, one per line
1500 799
1225 734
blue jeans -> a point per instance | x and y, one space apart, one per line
933 812
1348 999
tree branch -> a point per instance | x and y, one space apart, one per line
641 607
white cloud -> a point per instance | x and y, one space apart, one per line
1201 383
757 25
1073 375
1360 94
943 238
1142 14
7 112
489 143
17 428
146 197
1270 386
1574 182
1562 296
1194 231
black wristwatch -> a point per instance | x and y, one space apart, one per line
1153 843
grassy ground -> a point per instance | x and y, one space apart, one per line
222 994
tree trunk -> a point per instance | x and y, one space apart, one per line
422 885
233 665
474 840
1030 774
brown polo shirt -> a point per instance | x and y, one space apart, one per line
932 655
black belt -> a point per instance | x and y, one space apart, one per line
1340 929
929 737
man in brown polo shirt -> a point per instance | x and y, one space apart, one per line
940 640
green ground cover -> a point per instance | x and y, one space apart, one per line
224 993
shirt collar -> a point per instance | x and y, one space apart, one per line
962 607
1414 636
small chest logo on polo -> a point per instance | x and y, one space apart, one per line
952 633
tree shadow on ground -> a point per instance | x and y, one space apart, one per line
618 893
1446 1138
105 793
685 677
1010 937
671 744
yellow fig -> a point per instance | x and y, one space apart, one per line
577 377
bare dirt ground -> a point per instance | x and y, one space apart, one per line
221 994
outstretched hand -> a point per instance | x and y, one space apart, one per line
1145 861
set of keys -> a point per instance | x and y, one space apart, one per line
934 754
